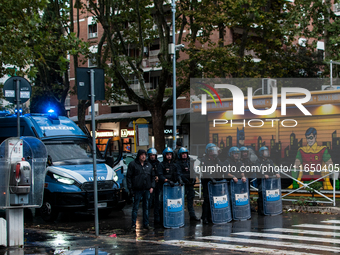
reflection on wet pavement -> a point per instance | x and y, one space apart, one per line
74 234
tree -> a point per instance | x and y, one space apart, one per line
319 23
19 30
35 38
130 25
266 30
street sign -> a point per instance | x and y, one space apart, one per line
9 89
84 83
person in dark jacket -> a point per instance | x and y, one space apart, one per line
168 172
178 146
152 159
141 182
184 164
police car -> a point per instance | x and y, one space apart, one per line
69 182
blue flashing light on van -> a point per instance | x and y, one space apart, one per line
69 183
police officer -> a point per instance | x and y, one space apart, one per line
250 173
210 159
247 164
152 159
263 160
234 164
141 182
168 172
184 165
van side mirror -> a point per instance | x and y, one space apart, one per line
49 161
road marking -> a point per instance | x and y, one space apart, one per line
248 249
331 221
317 226
272 243
291 237
302 231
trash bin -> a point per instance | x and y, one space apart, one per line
219 202
271 193
173 206
240 200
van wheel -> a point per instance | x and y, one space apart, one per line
48 212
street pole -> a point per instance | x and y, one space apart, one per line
94 151
173 5
331 73
17 93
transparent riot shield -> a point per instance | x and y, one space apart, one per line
219 202
271 192
240 200
23 168
173 206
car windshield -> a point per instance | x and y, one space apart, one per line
69 150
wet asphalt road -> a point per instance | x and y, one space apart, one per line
74 234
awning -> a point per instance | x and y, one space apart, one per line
117 117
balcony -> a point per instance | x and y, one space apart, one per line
93 35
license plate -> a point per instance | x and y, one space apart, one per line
102 205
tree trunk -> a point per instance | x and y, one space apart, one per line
158 120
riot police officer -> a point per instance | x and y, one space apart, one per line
210 159
152 159
250 173
234 164
184 165
168 172
263 160
247 164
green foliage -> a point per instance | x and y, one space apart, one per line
312 188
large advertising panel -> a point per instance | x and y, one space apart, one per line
297 121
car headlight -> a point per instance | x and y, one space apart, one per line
115 178
63 179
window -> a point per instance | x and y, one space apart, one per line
92 60
93 32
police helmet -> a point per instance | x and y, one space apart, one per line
151 151
167 150
244 152
264 151
233 150
211 150
181 151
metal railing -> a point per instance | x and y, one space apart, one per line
305 185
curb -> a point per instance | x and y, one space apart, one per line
312 209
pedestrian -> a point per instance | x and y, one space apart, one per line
141 182
210 159
185 167
178 146
154 197
168 172
262 161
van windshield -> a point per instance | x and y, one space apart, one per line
68 151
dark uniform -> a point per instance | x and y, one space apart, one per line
155 164
184 166
206 210
267 162
167 170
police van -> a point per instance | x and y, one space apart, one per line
69 183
